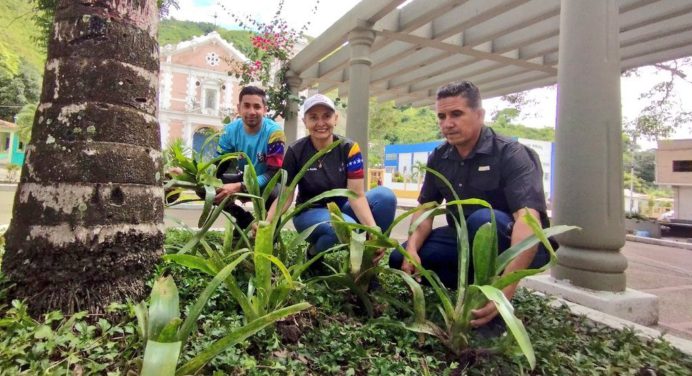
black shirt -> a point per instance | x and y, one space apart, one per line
329 172
501 171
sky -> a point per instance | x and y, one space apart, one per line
299 12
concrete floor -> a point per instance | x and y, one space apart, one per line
660 270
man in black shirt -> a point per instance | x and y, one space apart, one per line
479 164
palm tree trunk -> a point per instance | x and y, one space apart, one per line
87 225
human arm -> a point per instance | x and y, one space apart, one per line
272 210
275 156
523 189
415 241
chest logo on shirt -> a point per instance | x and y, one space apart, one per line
483 168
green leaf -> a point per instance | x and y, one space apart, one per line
484 254
275 260
515 326
210 220
418 295
196 309
236 336
43 331
435 283
164 306
504 258
356 251
343 233
142 315
408 213
160 358
192 262
209 195
426 214
264 245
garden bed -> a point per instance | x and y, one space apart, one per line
334 337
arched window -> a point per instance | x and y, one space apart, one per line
204 142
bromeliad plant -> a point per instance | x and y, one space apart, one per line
267 290
364 245
488 279
165 334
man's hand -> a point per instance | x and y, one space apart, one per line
175 171
483 315
409 268
379 253
226 190
488 312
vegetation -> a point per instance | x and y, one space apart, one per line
331 338
172 31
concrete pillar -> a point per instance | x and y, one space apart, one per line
291 122
588 159
187 135
360 40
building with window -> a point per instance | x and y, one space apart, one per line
674 168
11 148
196 91
402 161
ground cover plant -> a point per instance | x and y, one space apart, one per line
330 338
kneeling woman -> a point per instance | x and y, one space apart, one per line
342 167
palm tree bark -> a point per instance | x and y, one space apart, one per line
87 225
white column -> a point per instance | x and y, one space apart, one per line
187 134
291 123
164 133
588 171
360 40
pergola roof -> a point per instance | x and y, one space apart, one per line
503 46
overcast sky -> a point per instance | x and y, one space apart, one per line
299 12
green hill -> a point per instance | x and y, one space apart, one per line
172 31
17 31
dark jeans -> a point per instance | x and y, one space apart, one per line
381 200
439 251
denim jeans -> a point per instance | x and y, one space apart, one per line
439 251
382 204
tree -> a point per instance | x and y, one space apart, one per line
662 115
25 120
87 225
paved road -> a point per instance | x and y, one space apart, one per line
663 271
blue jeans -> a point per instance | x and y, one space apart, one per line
439 251
382 204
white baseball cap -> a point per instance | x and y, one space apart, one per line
318 99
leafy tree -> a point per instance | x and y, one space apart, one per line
17 89
87 225
645 165
502 123
25 120
662 115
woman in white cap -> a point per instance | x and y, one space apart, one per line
342 167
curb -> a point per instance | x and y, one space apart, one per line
661 242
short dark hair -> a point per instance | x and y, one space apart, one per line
253 90
464 89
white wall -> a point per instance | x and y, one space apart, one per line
683 202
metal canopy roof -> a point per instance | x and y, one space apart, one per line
503 46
